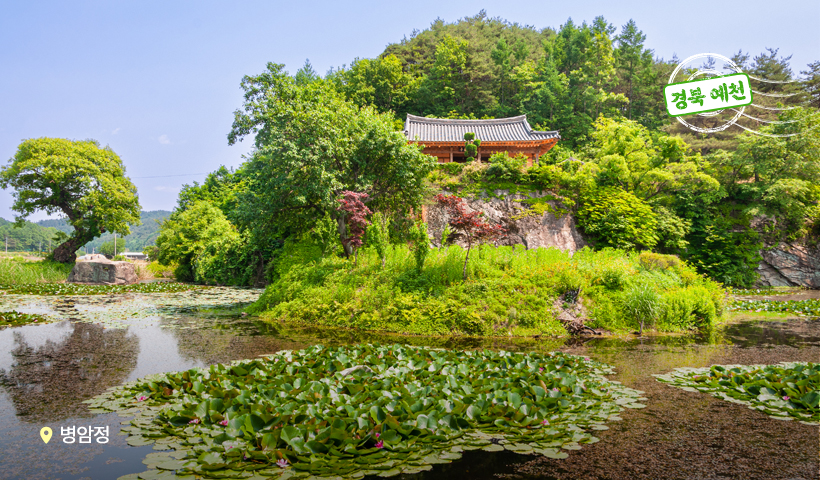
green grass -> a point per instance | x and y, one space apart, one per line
16 271
509 291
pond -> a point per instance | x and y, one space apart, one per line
47 371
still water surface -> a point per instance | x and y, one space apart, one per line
46 371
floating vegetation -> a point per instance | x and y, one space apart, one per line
744 292
17 319
801 308
121 311
364 410
784 391
85 289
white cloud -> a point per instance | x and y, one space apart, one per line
163 139
115 131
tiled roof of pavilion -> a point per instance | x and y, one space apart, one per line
494 130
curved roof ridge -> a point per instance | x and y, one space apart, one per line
488 130
468 121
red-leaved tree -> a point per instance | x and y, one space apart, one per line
352 203
469 224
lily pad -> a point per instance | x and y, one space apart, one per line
784 391
317 414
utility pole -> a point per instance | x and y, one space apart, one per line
115 244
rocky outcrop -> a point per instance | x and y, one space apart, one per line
790 264
104 272
524 225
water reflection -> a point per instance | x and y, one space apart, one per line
48 370
48 382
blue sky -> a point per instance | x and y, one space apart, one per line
158 81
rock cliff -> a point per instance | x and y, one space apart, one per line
525 226
790 264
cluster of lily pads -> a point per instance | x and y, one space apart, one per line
84 289
362 410
801 308
784 391
123 311
757 291
17 319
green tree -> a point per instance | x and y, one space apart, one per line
634 63
79 179
186 234
312 145
380 83
107 248
449 76
219 188
812 84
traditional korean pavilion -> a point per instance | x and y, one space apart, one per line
444 138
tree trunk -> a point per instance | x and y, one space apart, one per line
65 253
342 229
466 259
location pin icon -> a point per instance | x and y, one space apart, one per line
45 433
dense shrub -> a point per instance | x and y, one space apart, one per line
657 261
450 168
474 171
509 291
617 218
504 168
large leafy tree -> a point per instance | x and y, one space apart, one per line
311 145
186 235
78 179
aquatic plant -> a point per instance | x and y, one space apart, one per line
120 311
16 319
784 391
84 289
366 410
802 308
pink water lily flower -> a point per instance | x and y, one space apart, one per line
786 398
541 369
224 423
378 434
380 444
283 463
545 422
586 359
194 421
142 398
554 389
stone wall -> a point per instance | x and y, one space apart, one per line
532 231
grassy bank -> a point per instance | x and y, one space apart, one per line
17 271
509 291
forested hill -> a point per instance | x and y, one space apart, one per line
141 236
561 78
30 237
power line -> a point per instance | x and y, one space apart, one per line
180 175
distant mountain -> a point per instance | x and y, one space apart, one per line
29 238
140 237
